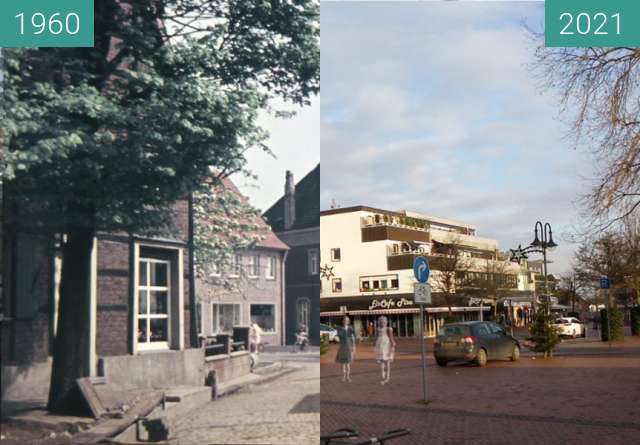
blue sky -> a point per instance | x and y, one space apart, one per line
432 107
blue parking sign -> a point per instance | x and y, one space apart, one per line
605 283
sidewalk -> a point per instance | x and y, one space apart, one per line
586 395
37 426
283 411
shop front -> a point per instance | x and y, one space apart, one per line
403 314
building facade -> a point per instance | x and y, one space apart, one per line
139 294
295 218
367 268
257 294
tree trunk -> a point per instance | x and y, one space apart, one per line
71 344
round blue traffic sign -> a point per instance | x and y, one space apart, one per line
421 269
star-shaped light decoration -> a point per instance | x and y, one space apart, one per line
517 255
326 272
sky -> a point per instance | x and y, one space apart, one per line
295 143
432 107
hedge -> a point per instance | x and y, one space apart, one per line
617 325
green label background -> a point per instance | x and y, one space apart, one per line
629 23
10 25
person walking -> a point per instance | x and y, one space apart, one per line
370 330
347 348
385 348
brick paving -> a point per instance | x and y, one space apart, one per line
284 411
588 394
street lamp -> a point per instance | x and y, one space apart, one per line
540 244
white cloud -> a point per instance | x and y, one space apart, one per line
432 108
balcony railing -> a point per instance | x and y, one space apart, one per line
394 221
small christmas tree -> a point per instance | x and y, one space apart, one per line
543 336
324 344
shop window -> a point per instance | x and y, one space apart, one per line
264 315
224 318
394 283
365 285
337 284
383 284
376 284
335 254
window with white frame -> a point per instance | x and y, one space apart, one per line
215 270
336 284
153 303
224 318
264 315
253 266
313 261
236 266
271 268
336 254
303 311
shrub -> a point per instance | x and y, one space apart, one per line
324 343
635 320
616 320
449 319
544 337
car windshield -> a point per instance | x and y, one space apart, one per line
453 330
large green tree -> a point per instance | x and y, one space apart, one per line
107 138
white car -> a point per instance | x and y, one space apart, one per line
570 327
331 332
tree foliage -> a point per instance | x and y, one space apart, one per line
599 86
108 136
614 254
224 223
543 336
450 264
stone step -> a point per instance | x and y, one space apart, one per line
178 402
267 368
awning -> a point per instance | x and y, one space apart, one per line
431 310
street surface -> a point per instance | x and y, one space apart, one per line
587 394
283 411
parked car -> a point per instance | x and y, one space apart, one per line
570 327
329 331
474 341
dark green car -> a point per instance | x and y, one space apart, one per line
474 341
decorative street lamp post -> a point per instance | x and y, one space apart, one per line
540 244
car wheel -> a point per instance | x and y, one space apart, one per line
515 354
441 362
481 358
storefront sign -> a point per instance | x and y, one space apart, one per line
389 303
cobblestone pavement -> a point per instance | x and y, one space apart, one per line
587 395
284 411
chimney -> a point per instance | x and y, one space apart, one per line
289 201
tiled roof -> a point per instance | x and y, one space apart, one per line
307 205
271 241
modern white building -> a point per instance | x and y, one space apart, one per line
367 257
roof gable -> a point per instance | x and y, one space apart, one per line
307 205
